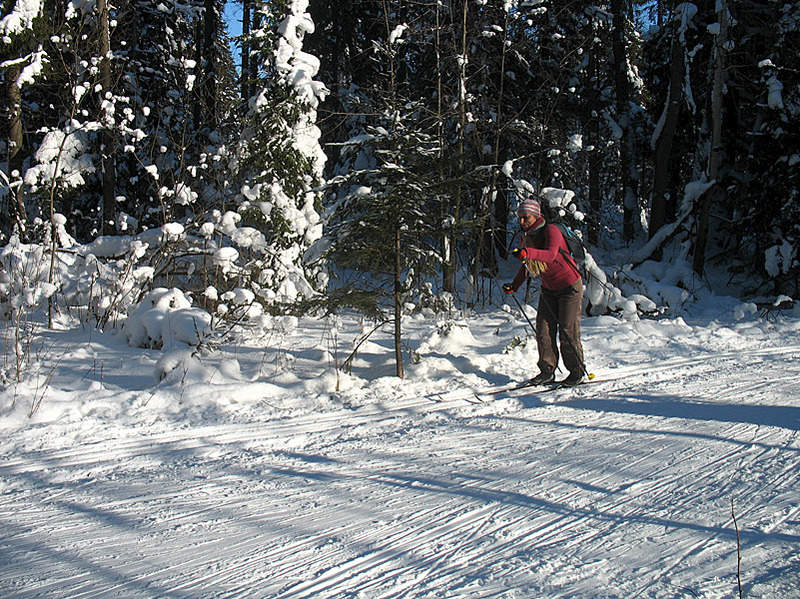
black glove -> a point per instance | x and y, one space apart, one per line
508 289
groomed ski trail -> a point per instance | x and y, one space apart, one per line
603 491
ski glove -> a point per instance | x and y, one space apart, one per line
508 289
522 253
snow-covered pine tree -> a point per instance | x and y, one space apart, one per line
160 163
385 220
279 161
90 122
63 171
728 113
759 222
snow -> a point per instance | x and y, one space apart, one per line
63 156
172 454
237 469
164 318
774 93
172 231
20 18
685 12
778 259
300 67
152 170
225 257
36 63
397 33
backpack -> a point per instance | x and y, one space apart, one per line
577 251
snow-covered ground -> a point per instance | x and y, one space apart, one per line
246 474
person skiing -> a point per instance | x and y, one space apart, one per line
545 252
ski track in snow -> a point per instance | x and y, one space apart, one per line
623 489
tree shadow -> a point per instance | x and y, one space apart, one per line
787 417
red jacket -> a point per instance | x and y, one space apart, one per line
545 244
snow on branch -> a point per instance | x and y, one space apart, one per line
20 18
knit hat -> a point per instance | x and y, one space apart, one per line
530 206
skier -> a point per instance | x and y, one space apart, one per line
544 252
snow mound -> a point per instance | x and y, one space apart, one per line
166 318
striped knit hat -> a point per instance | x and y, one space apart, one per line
530 206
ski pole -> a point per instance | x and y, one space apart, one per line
533 328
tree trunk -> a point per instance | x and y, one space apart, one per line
595 160
107 150
500 216
595 197
663 148
245 75
716 154
628 187
398 258
208 64
447 238
398 304
16 208
255 25
462 120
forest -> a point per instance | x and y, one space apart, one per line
369 153
253 336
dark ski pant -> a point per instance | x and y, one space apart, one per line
559 315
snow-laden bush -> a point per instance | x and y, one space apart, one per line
667 284
24 287
602 296
79 279
102 290
237 255
219 263
24 278
165 318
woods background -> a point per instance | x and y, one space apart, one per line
372 151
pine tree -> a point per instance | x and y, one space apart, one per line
385 219
278 161
64 150
159 76
759 229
